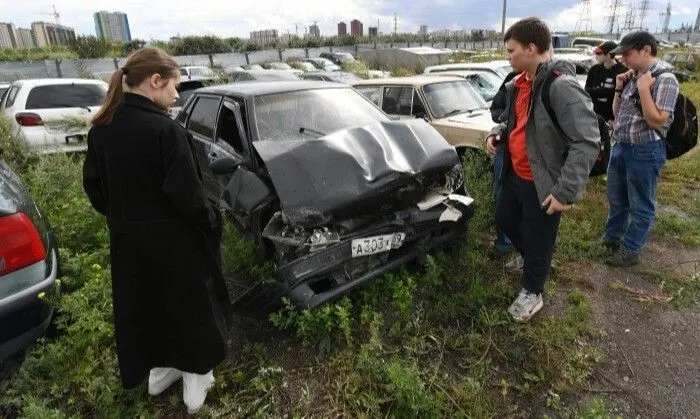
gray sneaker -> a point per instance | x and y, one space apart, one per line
525 306
516 264
623 258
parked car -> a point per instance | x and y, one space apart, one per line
253 67
449 104
38 108
500 68
304 66
327 185
193 73
592 42
322 64
484 82
282 66
28 266
4 87
262 75
334 76
338 58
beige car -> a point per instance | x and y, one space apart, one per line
449 104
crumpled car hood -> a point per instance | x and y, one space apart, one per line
356 171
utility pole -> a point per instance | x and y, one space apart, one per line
612 18
396 23
503 21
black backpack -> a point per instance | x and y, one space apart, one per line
682 135
601 163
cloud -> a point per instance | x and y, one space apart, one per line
161 19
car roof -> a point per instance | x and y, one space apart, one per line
421 80
47 82
269 87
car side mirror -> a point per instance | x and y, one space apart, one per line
421 115
224 166
394 117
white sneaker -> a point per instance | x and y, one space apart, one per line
161 378
194 390
525 306
516 264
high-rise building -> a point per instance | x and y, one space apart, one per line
8 36
342 29
112 26
314 31
372 31
697 22
423 30
356 28
25 39
46 34
266 36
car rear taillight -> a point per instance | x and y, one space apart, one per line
20 244
28 119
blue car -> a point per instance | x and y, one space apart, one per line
28 267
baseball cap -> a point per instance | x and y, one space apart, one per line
636 40
605 47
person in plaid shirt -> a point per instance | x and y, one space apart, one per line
643 109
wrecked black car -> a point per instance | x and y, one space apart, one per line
325 183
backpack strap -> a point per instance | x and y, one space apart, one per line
638 100
546 87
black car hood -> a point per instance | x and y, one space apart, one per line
356 171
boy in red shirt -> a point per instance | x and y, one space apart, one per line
546 162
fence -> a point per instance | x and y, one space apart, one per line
103 68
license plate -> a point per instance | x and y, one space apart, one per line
377 244
76 138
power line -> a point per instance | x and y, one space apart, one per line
584 22
613 16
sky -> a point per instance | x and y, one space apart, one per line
161 19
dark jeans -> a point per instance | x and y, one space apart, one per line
633 173
532 232
502 243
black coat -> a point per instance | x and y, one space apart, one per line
600 85
170 302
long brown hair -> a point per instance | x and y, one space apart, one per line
139 66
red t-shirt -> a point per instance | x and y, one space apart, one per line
517 141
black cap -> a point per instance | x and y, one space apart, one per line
605 47
636 40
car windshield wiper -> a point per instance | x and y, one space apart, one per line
308 131
65 105
456 111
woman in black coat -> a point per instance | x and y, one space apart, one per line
168 293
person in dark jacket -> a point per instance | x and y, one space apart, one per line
545 166
499 113
600 83
169 299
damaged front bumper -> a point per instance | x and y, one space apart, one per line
332 269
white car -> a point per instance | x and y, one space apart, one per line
4 87
53 115
196 72
500 68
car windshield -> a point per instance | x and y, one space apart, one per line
486 84
452 97
2 91
280 66
311 114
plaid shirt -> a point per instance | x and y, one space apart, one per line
630 125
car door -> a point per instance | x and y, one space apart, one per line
403 102
201 123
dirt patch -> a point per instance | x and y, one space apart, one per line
652 364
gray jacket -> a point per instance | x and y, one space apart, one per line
560 164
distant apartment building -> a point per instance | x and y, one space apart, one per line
697 22
356 28
372 31
423 30
112 26
266 36
314 31
25 39
8 36
342 29
46 34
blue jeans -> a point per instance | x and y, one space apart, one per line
502 243
633 173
